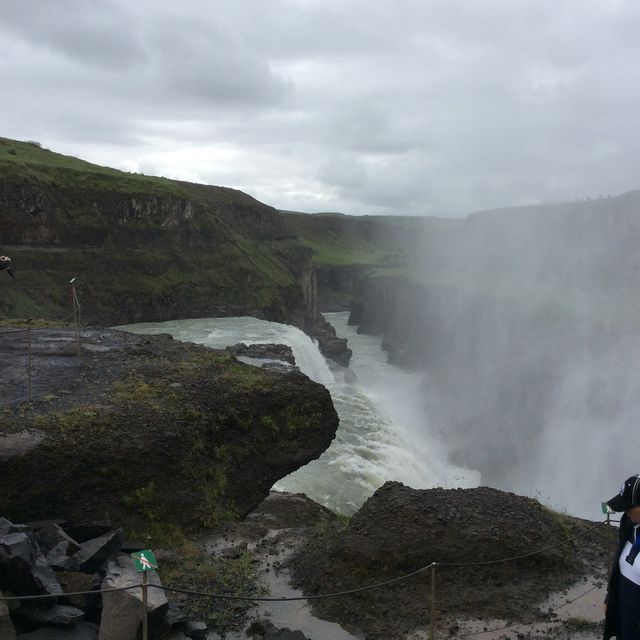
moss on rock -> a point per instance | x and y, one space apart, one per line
152 432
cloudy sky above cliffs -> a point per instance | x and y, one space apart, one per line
435 107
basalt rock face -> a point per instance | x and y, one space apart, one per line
142 429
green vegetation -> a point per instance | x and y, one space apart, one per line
140 247
234 574
29 161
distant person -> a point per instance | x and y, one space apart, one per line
5 265
623 596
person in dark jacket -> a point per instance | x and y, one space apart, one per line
5 264
623 596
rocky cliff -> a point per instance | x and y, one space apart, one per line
143 248
147 431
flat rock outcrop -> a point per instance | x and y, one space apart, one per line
141 429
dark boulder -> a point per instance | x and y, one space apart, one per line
50 537
266 630
152 428
266 351
122 610
469 533
23 567
95 552
76 582
79 631
7 630
195 630
34 614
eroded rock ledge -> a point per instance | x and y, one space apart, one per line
145 429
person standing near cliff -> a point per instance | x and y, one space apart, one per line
623 596
5 265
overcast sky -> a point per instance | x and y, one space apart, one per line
435 107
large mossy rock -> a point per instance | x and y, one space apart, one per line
148 431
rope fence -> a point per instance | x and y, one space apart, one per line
379 585
75 316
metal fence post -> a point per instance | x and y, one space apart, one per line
76 315
145 616
29 358
432 621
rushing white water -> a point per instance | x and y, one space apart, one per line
382 432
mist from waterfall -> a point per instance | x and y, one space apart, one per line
530 344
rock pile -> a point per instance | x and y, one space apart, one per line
68 566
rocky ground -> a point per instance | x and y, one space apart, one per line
290 540
299 547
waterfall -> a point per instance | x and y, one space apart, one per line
381 434
220 333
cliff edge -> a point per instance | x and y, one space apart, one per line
147 431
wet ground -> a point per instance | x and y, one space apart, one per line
285 521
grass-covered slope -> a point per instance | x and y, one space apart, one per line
140 247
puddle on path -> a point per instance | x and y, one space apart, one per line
296 615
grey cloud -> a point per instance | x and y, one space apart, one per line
395 106
95 34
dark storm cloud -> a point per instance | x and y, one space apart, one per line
368 107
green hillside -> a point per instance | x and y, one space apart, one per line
140 247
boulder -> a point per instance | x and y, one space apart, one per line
9 527
23 568
86 531
79 631
122 610
195 630
135 443
285 634
52 535
95 552
400 530
7 631
35 614
76 581
266 630
265 351
5 526
59 556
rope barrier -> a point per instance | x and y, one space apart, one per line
27 287
513 626
387 582
49 596
322 596
370 587
521 557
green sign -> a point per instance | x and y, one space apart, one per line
144 560
606 508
